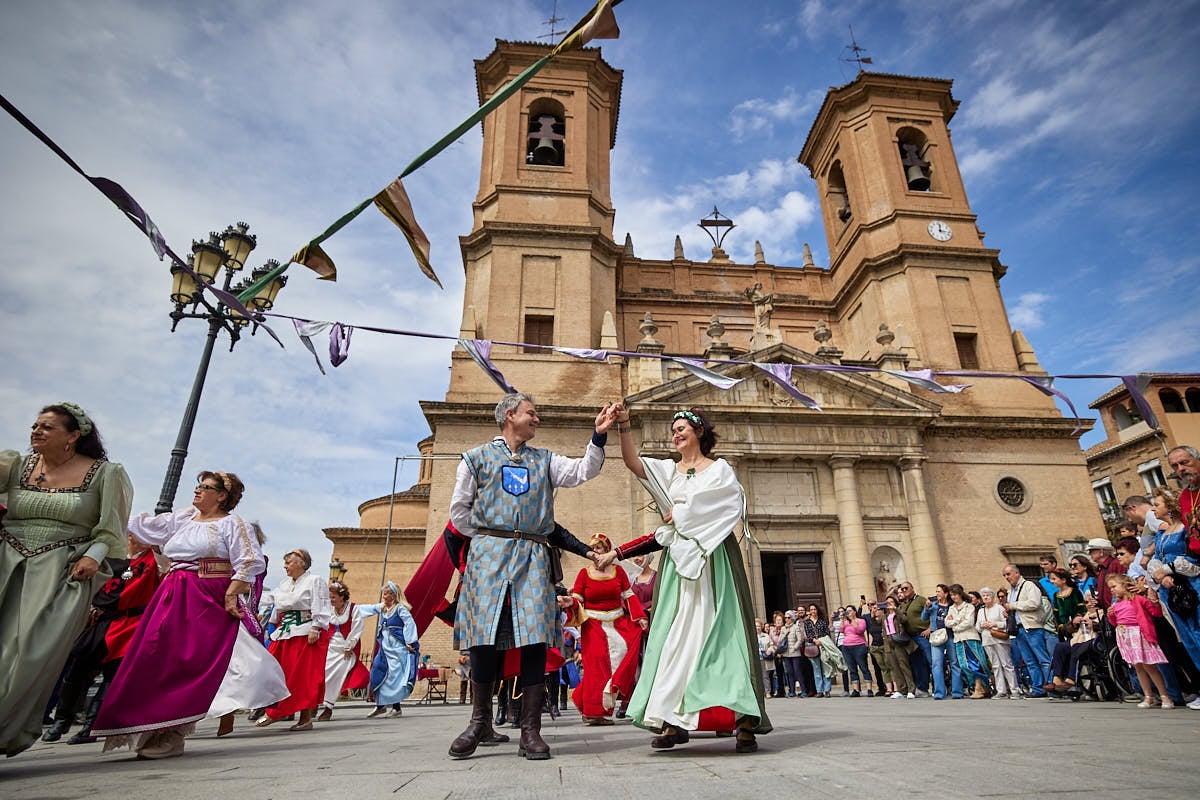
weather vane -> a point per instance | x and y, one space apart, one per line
552 22
857 54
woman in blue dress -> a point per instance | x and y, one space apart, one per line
397 652
1172 563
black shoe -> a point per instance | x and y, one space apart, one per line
83 737
56 731
856 693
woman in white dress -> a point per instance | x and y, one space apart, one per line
191 656
302 614
701 668
343 669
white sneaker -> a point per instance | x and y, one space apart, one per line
1000 696
911 696
897 696
1194 705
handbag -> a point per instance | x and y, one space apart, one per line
573 676
939 637
812 651
1182 599
999 634
1012 624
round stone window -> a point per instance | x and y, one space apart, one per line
1011 494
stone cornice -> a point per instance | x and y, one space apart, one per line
1008 427
554 416
925 256
538 233
418 492
347 535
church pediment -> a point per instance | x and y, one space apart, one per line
833 391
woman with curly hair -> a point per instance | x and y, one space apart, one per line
179 662
1174 566
344 670
701 669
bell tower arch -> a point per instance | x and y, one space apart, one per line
540 261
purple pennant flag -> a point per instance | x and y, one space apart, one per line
924 379
782 375
590 355
698 369
1045 385
480 351
1136 384
135 214
339 343
306 330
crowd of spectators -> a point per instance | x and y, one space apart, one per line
1127 609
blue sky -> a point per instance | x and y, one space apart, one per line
1075 137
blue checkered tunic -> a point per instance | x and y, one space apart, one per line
496 566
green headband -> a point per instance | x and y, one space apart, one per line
690 417
81 417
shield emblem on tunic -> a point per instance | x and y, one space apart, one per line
515 479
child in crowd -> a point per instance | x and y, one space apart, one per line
1132 614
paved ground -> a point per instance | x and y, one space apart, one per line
839 747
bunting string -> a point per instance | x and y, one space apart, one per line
393 202
781 374
134 212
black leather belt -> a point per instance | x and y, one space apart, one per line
537 538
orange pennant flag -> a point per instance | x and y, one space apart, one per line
395 205
600 24
316 259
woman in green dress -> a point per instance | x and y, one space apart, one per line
67 510
701 669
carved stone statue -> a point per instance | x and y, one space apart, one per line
885 582
764 306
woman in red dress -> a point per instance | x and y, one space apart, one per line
610 635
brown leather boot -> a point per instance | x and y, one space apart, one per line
533 747
479 729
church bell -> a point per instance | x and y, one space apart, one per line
918 181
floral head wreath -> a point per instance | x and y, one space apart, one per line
81 418
690 417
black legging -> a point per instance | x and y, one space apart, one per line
485 664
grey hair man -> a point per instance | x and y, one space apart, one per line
503 502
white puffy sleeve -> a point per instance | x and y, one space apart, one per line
322 606
245 553
157 530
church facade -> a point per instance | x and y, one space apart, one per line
888 481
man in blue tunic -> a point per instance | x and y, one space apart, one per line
504 502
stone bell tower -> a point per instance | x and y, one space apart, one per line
903 242
540 261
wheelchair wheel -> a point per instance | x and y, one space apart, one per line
1092 683
1118 671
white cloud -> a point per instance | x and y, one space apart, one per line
759 116
1026 315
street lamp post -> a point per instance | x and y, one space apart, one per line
337 569
227 250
